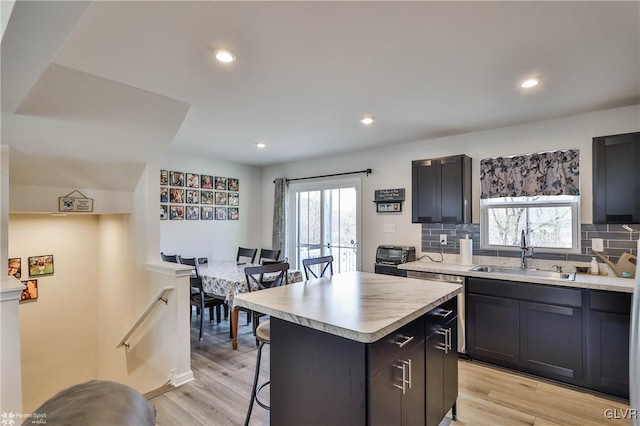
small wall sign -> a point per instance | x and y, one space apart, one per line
81 204
389 195
389 200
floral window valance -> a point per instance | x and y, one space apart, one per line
544 173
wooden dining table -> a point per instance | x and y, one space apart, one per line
226 279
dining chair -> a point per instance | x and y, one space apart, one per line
324 268
248 253
173 258
262 277
268 255
258 278
200 299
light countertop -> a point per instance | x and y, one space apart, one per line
359 306
593 282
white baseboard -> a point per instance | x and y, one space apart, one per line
182 379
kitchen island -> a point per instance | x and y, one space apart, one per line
360 348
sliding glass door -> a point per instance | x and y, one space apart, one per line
325 220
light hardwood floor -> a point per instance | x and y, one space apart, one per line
219 395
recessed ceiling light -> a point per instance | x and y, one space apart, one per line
225 56
367 120
261 145
530 82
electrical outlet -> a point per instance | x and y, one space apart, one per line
597 244
389 227
443 239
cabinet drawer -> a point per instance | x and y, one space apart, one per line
530 292
438 317
390 347
610 302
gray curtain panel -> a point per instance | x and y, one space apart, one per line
544 173
278 237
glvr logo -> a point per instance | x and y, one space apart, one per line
621 413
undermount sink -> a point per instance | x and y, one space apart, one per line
525 272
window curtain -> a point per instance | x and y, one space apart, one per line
544 173
278 236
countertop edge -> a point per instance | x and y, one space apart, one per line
599 282
358 336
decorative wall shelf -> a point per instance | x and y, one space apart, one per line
389 200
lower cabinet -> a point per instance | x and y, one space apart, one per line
609 321
419 385
318 378
397 392
576 336
552 341
493 327
442 371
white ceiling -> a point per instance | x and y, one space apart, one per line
130 81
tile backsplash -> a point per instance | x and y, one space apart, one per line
616 241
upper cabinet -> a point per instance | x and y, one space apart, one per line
441 189
616 178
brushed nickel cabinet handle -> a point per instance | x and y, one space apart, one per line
407 339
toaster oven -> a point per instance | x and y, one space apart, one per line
395 255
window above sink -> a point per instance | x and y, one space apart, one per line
551 223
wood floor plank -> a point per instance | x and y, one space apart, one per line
488 395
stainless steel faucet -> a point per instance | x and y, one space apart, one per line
527 252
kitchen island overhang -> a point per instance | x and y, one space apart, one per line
328 346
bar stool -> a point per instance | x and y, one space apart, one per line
263 334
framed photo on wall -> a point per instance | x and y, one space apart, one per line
164 194
221 198
221 213
15 267
40 265
176 195
164 212
221 183
176 212
193 180
233 213
193 213
206 182
206 213
234 184
30 291
206 197
176 178
164 177
234 199
193 196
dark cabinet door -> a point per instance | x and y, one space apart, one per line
616 179
441 190
413 400
398 391
609 323
435 346
441 356
551 341
426 191
386 397
493 329
450 367
455 191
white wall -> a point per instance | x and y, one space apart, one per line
44 199
214 239
100 287
59 330
392 167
